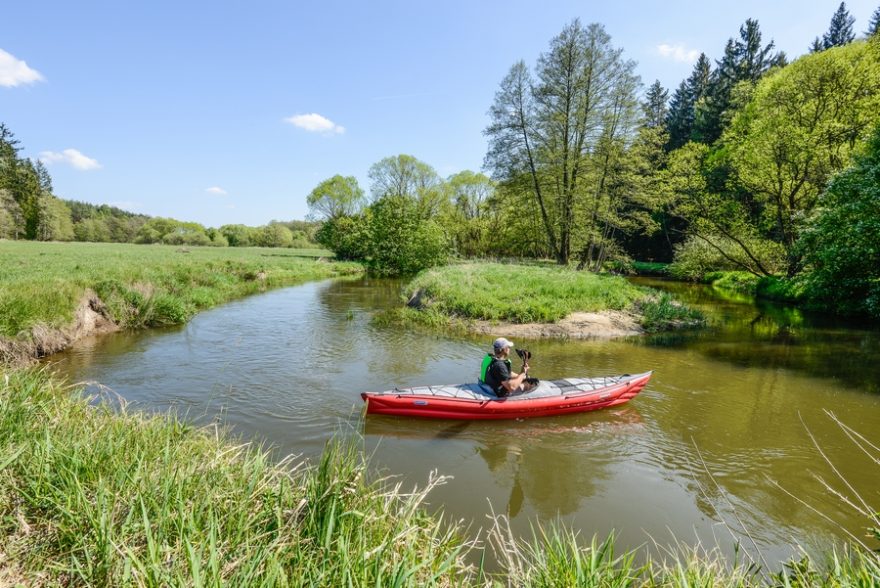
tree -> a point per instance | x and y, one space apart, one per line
816 45
11 217
548 130
720 223
335 197
238 235
274 235
841 241
655 108
800 128
840 31
407 177
680 118
466 223
745 59
874 25
53 221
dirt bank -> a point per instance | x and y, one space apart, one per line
90 318
608 324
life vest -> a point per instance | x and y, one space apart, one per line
487 361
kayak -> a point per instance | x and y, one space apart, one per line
477 401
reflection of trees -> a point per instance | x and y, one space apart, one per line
746 332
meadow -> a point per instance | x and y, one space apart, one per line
43 284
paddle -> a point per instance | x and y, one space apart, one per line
525 355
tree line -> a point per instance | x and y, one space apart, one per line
29 210
730 172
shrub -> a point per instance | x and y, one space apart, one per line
696 257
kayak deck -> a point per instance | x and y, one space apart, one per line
477 401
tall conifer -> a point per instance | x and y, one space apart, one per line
840 32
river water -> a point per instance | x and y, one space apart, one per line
720 447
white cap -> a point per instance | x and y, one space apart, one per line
501 343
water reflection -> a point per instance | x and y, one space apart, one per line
749 333
721 421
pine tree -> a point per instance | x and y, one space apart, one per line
680 119
745 59
816 45
840 32
874 25
655 106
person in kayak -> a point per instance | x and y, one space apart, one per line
496 372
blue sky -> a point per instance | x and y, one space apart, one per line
187 109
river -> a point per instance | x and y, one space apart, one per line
720 447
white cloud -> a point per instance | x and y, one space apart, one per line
678 52
71 157
315 123
15 72
216 190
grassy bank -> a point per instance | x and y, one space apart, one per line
97 498
541 294
45 285
91 496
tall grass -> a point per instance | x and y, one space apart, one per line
139 285
91 497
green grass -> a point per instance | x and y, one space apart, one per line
90 496
519 294
141 285
96 498
522 294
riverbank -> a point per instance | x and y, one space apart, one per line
96 496
57 293
536 301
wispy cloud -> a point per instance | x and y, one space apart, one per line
71 157
216 190
678 52
315 123
15 72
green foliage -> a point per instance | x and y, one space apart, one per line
273 235
335 197
699 255
800 128
559 140
404 176
842 244
402 240
347 236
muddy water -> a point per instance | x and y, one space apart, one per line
717 448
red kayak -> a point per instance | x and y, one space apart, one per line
477 401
